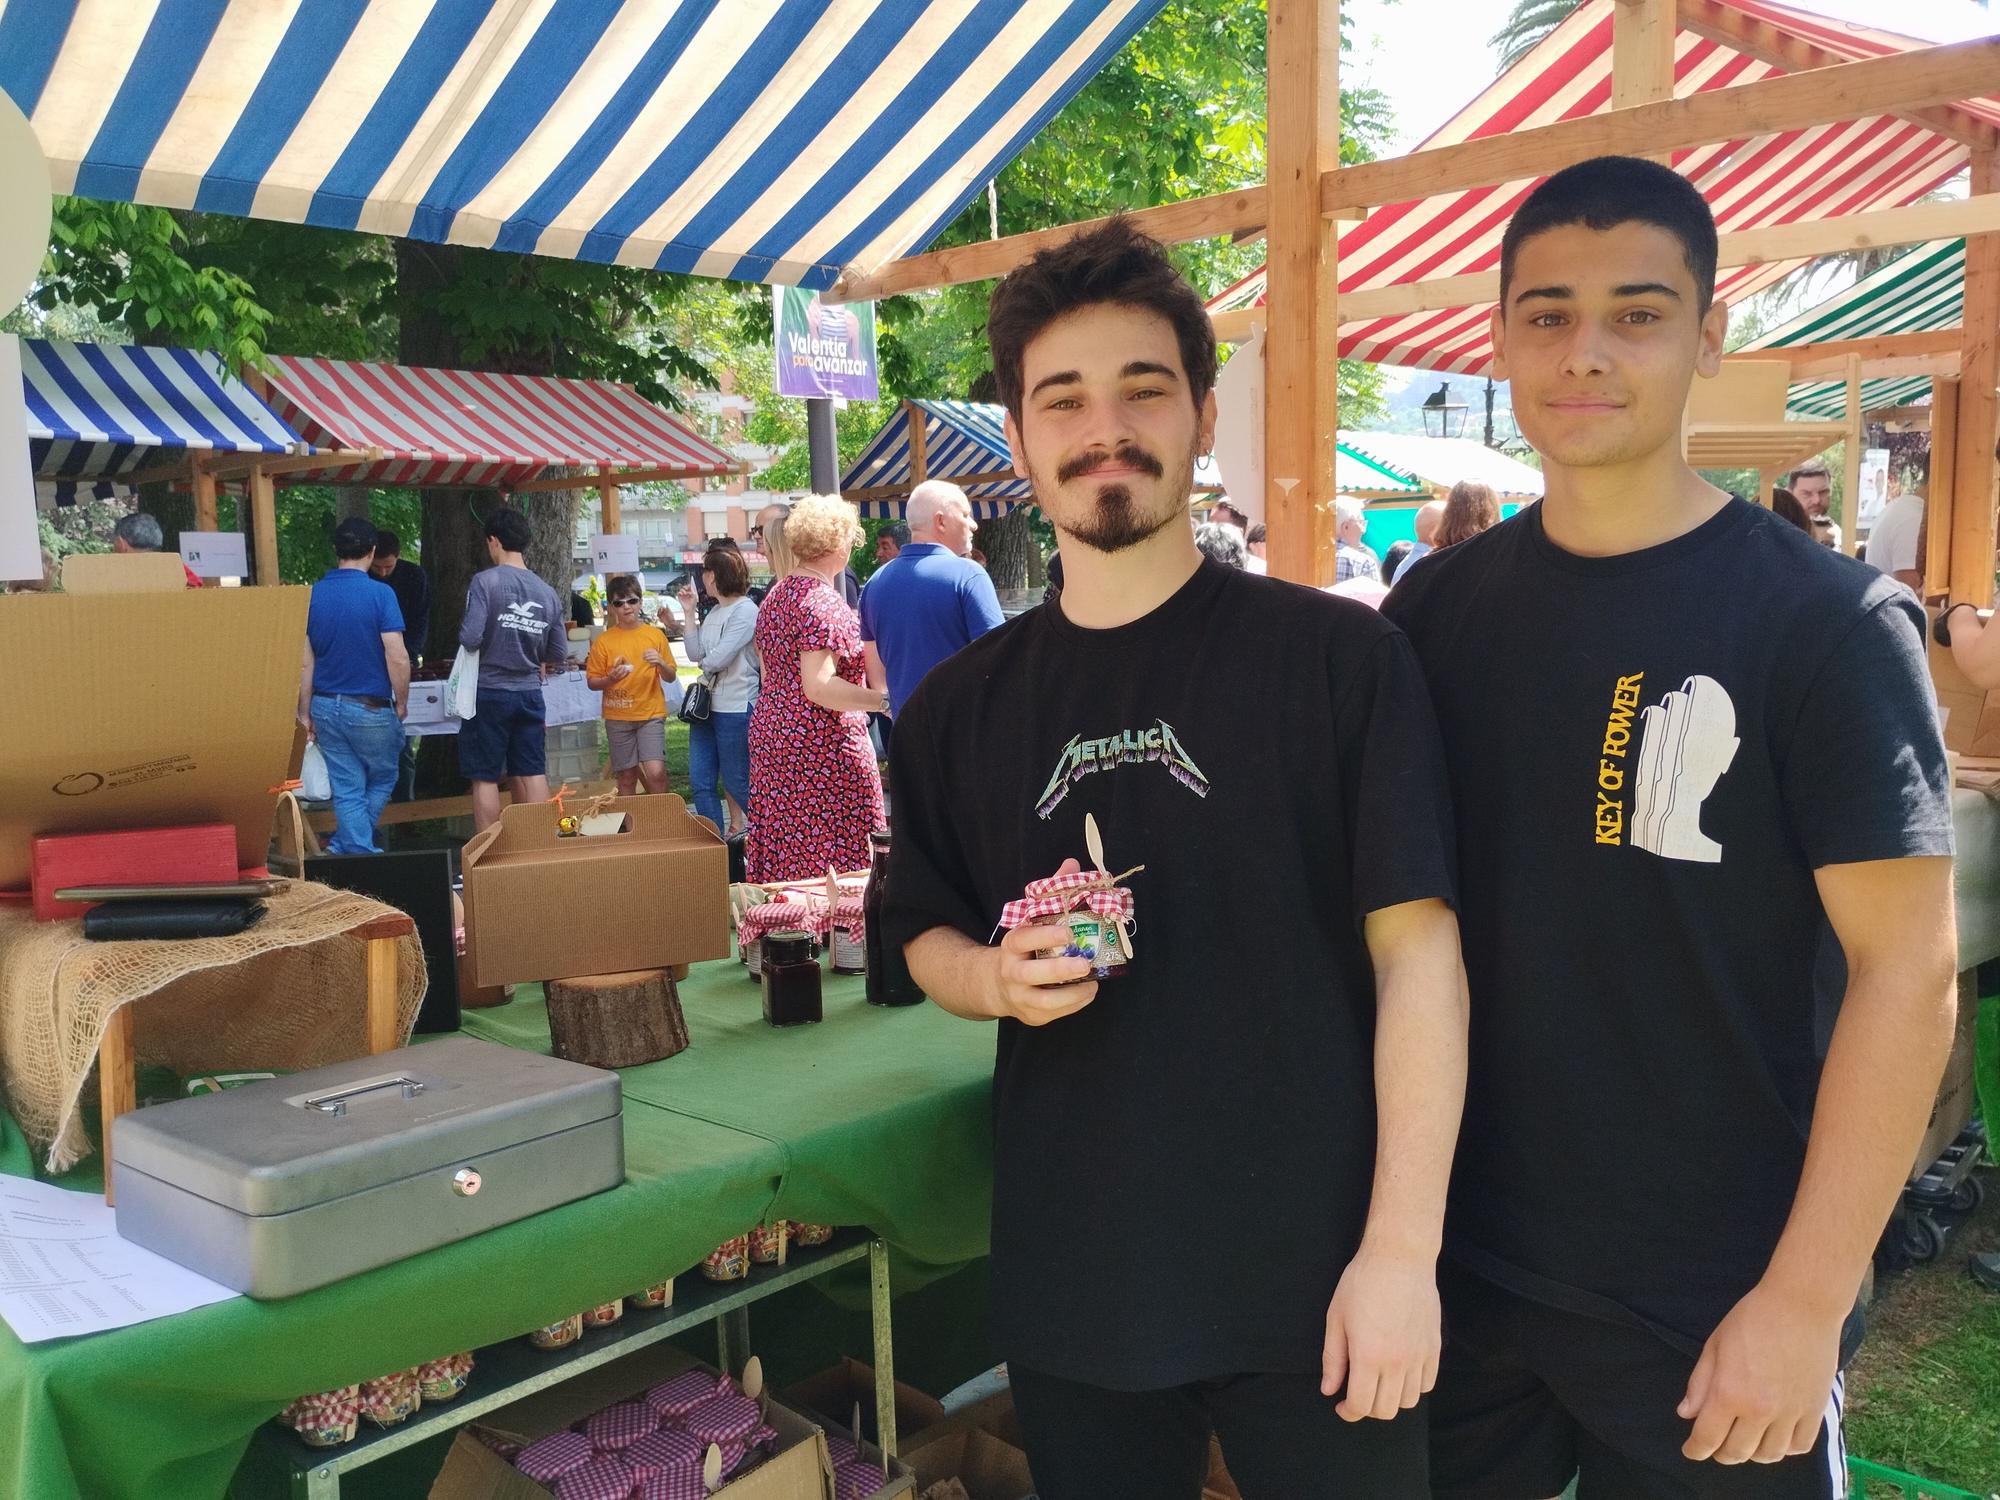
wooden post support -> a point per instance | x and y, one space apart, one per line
203 484
1301 345
608 516
1974 466
1642 55
262 494
1850 531
1767 481
117 1078
919 443
1939 486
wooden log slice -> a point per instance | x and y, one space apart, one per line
616 1020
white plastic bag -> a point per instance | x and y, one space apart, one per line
461 688
314 784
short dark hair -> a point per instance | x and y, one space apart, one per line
622 583
897 532
1606 191
388 544
1811 469
732 573
1255 533
1115 264
353 538
1785 505
510 529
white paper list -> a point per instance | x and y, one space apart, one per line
64 1271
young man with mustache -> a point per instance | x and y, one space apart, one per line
1707 905
1218 1176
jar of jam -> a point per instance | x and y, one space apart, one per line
791 979
1096 938
889 981
847 939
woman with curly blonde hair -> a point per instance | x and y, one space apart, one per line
813 778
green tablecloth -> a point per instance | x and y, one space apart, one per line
877 1118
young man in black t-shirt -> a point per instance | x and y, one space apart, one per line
1218 1177
1707 908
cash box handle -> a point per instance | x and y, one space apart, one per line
336 1103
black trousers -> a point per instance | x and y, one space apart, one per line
1282 1440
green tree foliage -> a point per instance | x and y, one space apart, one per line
1526 25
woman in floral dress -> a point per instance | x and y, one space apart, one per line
813 778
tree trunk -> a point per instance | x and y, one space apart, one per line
1007 543
350 500
552 516
616 1020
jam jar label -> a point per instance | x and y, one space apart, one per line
1094 938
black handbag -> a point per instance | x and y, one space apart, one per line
697 702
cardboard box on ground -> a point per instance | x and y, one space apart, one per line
802 1468
542 905
832 1393
137 702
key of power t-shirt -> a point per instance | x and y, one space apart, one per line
1182 1168
1650 756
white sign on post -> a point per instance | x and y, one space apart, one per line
614 553
215 554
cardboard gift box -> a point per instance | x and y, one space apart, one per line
834 1392
541 905
134 701
801 1469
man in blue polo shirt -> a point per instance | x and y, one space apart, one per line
355 686
931 599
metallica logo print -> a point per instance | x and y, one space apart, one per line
1082 757
1686 743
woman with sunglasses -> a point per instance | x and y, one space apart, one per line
630 664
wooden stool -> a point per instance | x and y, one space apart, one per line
117 1065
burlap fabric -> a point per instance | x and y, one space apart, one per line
290 993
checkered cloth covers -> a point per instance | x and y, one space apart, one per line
841 1450
660 1451
548 1459
723 1418
622 1425
855 1478
673 1484
604 1478
1060 893
677 1397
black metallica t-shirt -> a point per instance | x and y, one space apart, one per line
1182 1168
1650 755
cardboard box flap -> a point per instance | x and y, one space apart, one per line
988 1468
532 827
194 725
91 573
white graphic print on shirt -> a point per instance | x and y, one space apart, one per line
1686 743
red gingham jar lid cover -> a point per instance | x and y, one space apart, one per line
605 1477
669 1448
549 1458
622 1425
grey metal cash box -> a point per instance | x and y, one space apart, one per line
289 1184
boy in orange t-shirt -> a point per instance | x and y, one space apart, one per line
629 664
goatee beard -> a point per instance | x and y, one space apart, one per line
1115 522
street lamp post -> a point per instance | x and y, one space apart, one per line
1443 417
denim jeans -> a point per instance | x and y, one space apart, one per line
363 747
719 744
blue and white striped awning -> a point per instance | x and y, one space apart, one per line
109 409
961 439
1920 291
764 140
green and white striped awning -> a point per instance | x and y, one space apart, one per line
1920 291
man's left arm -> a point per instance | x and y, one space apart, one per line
1760 1390
1383 1328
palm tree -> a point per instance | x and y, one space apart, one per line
1526 24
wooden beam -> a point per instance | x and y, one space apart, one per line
203 484
1886 367
1643 33
117 1078
1910 418
1882 346
1974 465
1850 534
919 438
1302 132
1910 225
1938 485
608 514
1795 54
622 476
1236 325
1930 75
236 465
1169 223
263 499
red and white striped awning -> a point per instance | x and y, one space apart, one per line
475 427
1792 177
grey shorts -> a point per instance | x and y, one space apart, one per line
636 740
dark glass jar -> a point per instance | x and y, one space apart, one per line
889 981
791 979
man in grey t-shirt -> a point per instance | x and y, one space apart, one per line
518 626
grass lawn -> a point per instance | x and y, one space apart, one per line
1924 1393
